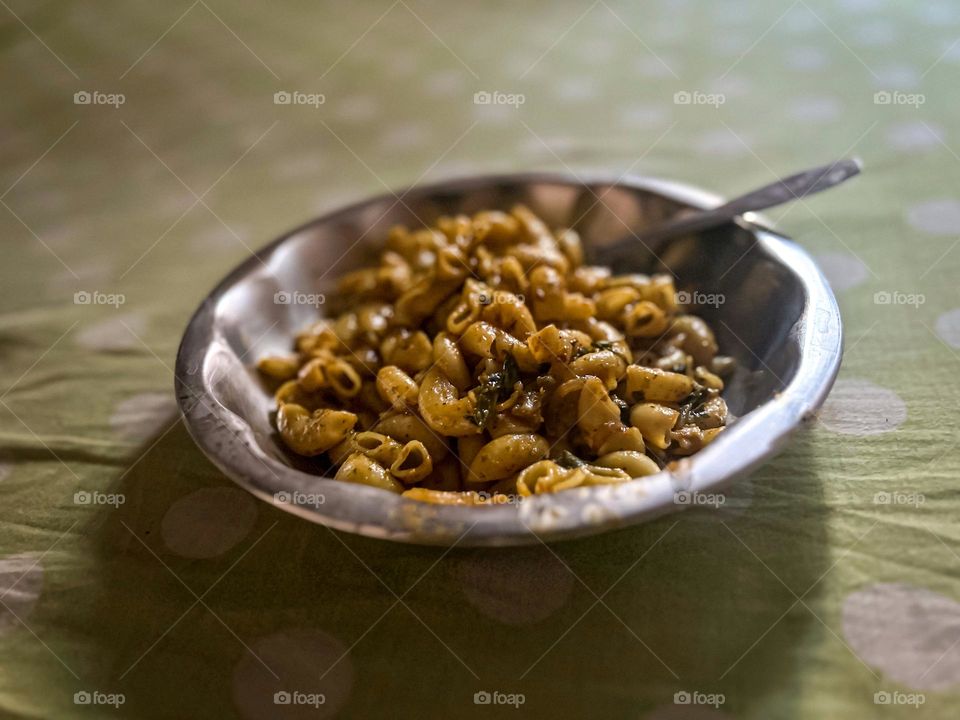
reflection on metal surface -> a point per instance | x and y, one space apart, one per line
777 317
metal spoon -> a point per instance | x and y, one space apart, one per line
790 188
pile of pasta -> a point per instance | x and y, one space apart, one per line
482 361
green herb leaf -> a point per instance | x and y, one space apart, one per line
497 387
692 403
568 460
624 408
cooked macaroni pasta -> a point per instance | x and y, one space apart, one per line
481 360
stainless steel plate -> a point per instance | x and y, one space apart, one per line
778 318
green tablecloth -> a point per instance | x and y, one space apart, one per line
132 571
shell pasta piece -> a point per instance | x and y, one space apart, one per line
481 361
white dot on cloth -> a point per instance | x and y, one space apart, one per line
525 586
859 407
90 273
547 146
218 237
915 135
444 83
728 44
574 89
208 522
643 116
948 328
113 334
686 712
495 114
308 662
402 62
933 14
5 470
819 109
404 135
21 580
721 142
296 167
800 20
909 633
143 416
597 50
733 13
896 77
806 58
357 108
875 34
937 217
731 86
666 32
843 270
657 66
858 6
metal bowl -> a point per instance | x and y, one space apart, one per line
771 309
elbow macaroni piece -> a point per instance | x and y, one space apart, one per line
482 360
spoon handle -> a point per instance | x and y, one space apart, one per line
790 188
793 187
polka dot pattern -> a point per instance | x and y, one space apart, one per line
208 522
859 407
909 633
398 97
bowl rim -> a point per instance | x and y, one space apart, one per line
229 443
